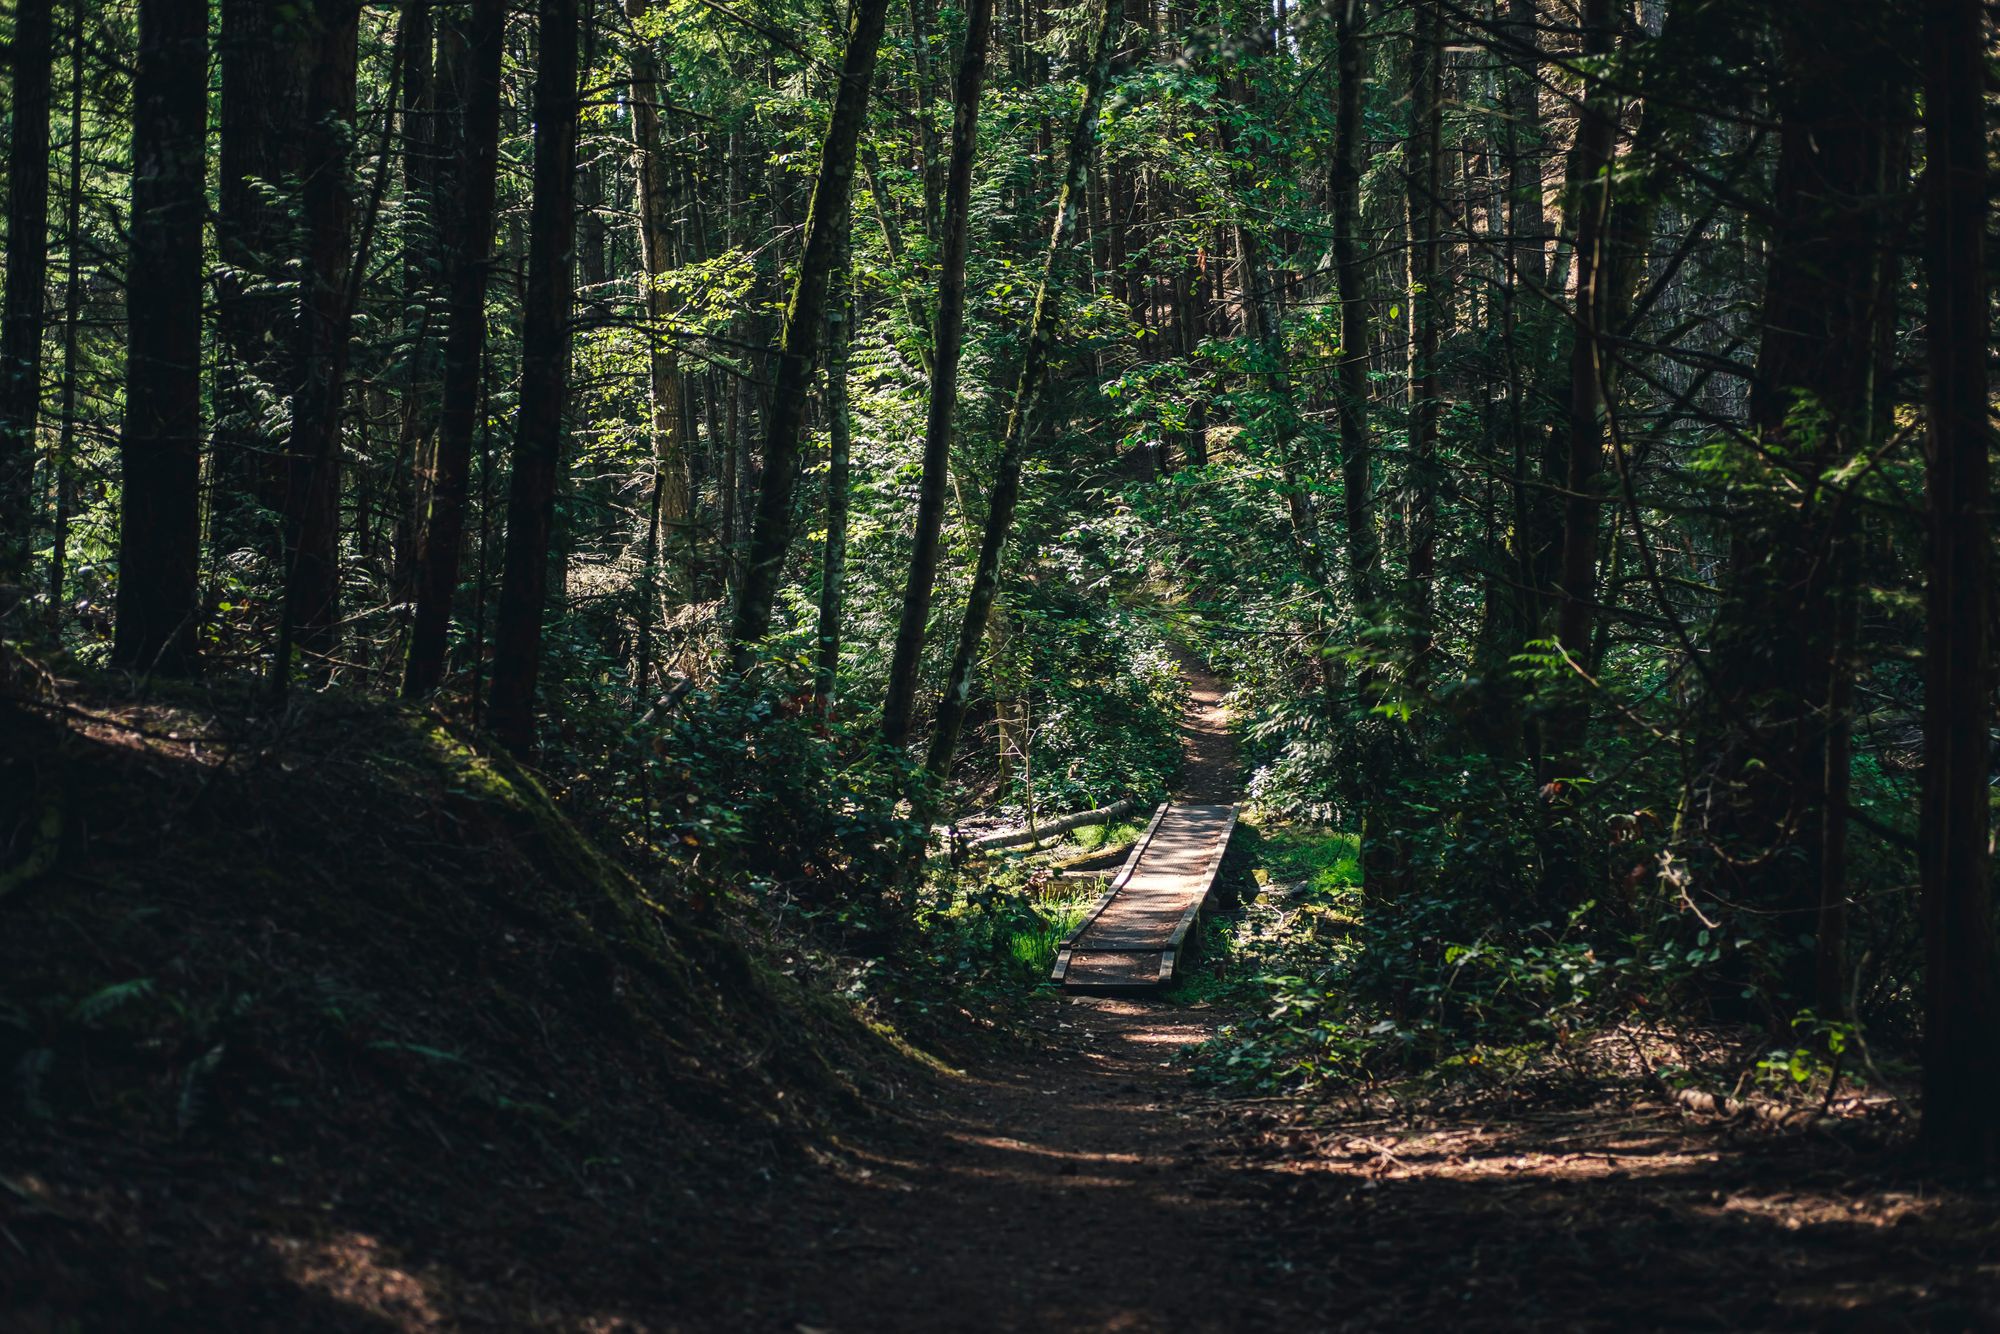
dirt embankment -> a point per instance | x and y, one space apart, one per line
332 1021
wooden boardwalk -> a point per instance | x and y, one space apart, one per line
1133 937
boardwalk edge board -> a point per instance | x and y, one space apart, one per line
1105 901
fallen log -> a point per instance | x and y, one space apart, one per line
1048 828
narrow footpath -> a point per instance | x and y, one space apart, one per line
1077 1192
1093 1186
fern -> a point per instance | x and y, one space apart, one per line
119 994
192 1103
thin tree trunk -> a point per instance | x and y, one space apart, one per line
927 139
1961 1012
417 409
1426 303
473 51
892 247
840 443
1830 929
531 490
798 339
72 321
1028 386
21 318
663 372
1364 547
159 531
1596 141
1527 221
907 661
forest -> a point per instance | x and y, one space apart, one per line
598 598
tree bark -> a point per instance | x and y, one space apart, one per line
663 372
1364 547
417 409
65 463
21 318
1812 405
159 531
1423 181
473 51
311 512
907 660
263 50
1028 386
1961 1012
798 338
1596 142
1527 220
531 489
840 448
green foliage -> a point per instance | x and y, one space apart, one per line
1326 863
1091 837
744 786
1099 693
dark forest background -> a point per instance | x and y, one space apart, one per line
789 427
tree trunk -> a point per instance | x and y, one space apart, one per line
472 61
1527 221
312 457
663 372
840 445
159 532
1812 405
531 490
21 318
1423 167
907 660
417 408
1028 385
1596 142
72 320
1961 1014
798 339
925 88
892 248
263 117
1364 547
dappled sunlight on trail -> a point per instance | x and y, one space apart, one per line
1095 1187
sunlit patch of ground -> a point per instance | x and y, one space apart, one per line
352 1269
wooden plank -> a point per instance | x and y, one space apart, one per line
1170 958
1105 901
1133 936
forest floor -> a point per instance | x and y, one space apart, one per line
1092 1183
351 1164
1097 1187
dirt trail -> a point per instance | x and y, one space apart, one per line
1093 1186
1069 1192
1212 771
1065 1194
